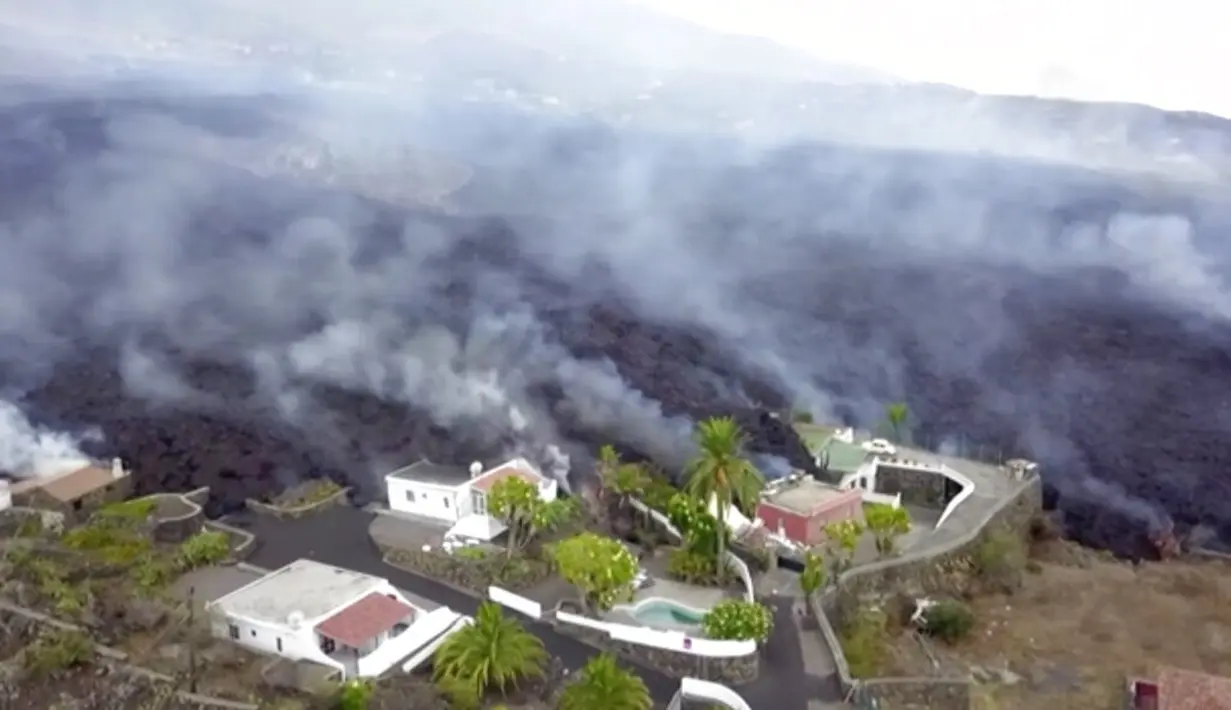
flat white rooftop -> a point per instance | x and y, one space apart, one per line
807 496
304 586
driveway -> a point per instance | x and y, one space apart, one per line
339 536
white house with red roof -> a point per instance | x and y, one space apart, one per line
308 611
458 498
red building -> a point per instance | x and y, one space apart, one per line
800 510
1177 689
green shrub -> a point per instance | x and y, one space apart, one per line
208 547
110 539
949 621
354 695
152 573
461 694
1000 560
865 641
474 554
58 650
136 510
693 567
658 493
31 526
801 417
738 620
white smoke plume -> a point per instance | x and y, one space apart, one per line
834 229
28 450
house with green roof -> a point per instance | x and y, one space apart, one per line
838 458
814 436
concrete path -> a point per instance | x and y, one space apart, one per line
818 663
340 537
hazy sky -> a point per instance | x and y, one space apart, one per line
1167 53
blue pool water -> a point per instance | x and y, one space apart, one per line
663 613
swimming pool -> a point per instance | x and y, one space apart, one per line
666 614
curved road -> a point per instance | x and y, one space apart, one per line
340 537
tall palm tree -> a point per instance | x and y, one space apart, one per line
493 652
721 474
602 683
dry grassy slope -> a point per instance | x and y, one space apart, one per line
1085 621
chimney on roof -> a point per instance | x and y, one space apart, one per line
475 469
117 468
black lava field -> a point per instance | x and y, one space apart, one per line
1122 394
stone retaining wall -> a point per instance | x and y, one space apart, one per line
929 693
200 496
942 571
925 489
176 518
13 519
472 575
242 542
256 506
728 671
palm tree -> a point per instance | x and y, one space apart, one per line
608 460
719 473
895 416
627 480
602 683
492 652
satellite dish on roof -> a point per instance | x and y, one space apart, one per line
294 619
475 469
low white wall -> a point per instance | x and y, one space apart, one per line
733 562
585 621
426 652
518 603
745 575
425 629
968 488
669 640
659 518
710 692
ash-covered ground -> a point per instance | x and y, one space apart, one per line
225 298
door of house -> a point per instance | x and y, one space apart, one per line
479 502
1145 696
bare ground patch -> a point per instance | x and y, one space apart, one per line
1081 623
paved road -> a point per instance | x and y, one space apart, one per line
340 537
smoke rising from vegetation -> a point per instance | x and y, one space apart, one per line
450 208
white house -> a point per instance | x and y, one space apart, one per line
6 495
458 497
309 611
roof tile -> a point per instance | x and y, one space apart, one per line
487 481
1189 690
358 623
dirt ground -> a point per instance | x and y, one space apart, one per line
1080 624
